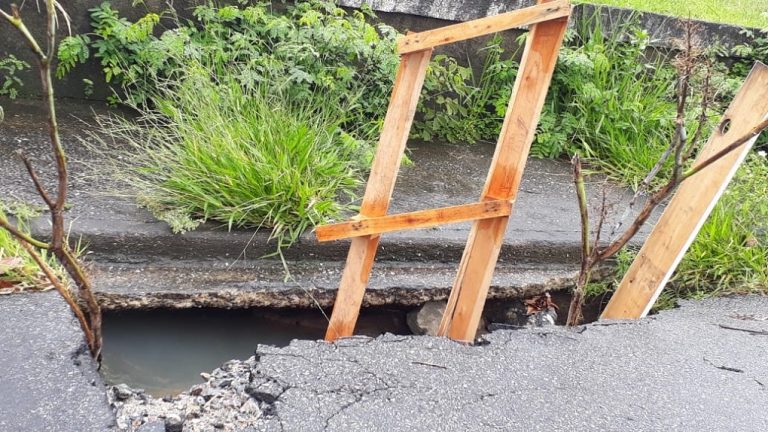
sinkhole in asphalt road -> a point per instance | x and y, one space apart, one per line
164 351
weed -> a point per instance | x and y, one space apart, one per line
456 106
608 102
10 83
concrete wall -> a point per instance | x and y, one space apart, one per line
415 15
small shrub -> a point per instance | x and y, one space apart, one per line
10 83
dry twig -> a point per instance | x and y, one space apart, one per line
90 321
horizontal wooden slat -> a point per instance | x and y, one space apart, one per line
414 220
484 26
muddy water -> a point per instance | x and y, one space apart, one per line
163 352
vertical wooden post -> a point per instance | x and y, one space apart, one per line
381 182
693 202
470 289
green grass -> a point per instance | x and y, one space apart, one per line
18 272
211 149
748 13
730 253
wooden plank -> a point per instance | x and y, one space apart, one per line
467 299
693 202
414 220
381 182
484 26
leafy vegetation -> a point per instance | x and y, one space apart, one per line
609 103
456 106
313 48
753 13
10 83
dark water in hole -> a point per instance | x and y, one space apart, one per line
164 351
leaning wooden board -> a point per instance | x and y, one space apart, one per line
381 183
693 202
544 11
470 289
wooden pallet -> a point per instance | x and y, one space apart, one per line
548 21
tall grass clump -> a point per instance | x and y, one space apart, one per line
210 148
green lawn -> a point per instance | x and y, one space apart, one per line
750 13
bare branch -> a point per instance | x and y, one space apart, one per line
51 28
58 246
574 310
15 20
642 217
731 147
706 95
36 180
600 222
581 195
665 191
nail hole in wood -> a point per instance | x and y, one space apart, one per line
725 126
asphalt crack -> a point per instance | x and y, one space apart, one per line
745 330
723 367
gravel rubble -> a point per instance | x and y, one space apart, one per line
232 398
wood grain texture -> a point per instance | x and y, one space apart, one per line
414 220
484 26
378 192
690 206
467 299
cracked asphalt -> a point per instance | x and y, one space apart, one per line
701 367
48 381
